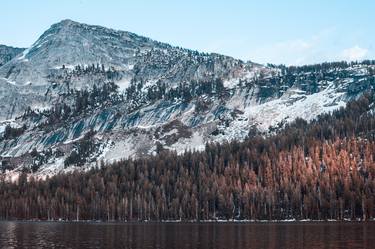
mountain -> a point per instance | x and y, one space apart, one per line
70 43
82 94
7 53
7 93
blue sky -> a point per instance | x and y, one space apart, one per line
288 31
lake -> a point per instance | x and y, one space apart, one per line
187 235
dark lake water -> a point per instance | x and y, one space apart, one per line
189 235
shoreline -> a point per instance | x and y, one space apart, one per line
291 221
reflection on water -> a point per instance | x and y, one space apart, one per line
190 235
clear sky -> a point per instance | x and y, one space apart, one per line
282 31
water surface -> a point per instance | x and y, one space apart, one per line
186 235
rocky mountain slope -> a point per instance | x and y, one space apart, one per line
7 53
83 94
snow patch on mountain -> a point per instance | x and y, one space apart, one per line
123 84
294 103
22 57
195 143
115 151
